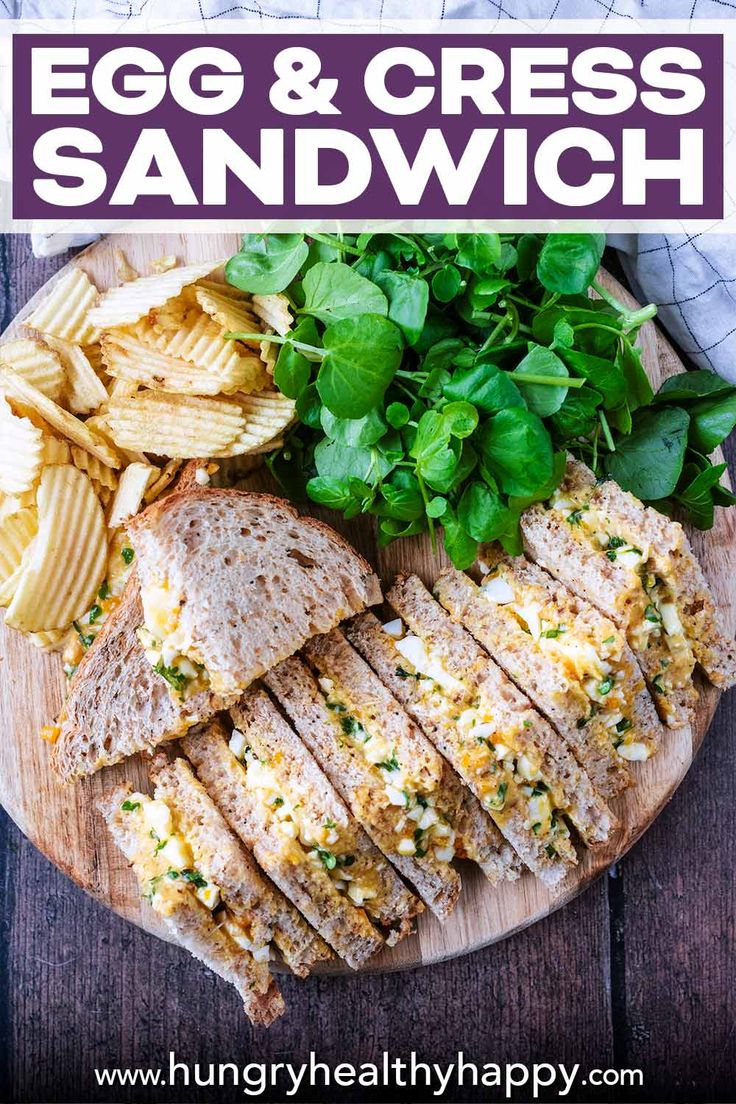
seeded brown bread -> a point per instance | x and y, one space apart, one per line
222 858
117 703
544 675
255 580
194 927
307 884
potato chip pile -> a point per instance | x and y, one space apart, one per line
99 406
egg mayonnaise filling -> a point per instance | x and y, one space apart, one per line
165 642
595 669
501 762
298 834
85 628
653 620
166 866
416 823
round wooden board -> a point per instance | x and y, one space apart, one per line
63 823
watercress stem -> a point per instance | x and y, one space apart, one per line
276 339
430 522
334 243
551 381
607 431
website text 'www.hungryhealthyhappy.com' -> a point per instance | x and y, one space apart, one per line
387 1072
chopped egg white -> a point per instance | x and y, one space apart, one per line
209 895
177 853
394 628
634 752
238 744
415 651
157 817
202 477
497 590
406 846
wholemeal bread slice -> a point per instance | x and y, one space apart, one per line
636 566
573 663
235 582
398 787
275 797
117 703
175 891
504 751
257 582
259 908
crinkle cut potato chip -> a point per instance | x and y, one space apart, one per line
65 313
56 451
129 494
16 533
21 454
217 368
35 362
58 418
180 426
122 306
274 311
231 309
65 564
199 341
83 390
98 472
266 415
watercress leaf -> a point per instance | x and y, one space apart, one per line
266 263
459 545
436 507
516 450
527 254
446 283
433 450
462 418
485 386
485 290
577 415
335 291
696 497
328 491
336 461
353 431
605 375
563 335
621 419
711 421
482 512
361 355
687 386
649 461
402 497
595 315
481 253
519 503
467 461
292 372
309 406
543 399
568 263
389 529
320 251
639 391
408 297
397 414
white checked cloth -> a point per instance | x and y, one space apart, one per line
691 277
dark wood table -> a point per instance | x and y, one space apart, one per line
637 973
